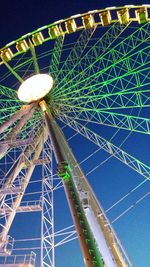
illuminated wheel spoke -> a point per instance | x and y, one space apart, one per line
75 54
107 62
35 62
126 100
98 94
55 58
120 121
122 76
13 72
7 92
127 159
97 49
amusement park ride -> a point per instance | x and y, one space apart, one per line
79 87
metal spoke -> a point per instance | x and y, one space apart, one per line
120 121
55 58
100 65
75 54
34 58
107 62
119 76
126 100
6 91
16 75
127 159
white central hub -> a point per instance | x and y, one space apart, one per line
35 88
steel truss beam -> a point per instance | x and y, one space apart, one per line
75 54
120 121
47 205
6 91
11 202
99 48
89 249
115 61
55 59
63 154
34 58
118 153
11 137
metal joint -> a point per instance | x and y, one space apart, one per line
63 171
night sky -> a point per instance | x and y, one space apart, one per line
20 17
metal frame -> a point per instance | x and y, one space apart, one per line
14 187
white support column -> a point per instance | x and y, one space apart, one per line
15 200
24 109
16 130
47 215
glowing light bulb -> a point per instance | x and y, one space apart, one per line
35 88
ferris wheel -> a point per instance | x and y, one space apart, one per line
74 129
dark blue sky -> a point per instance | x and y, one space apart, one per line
20 17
